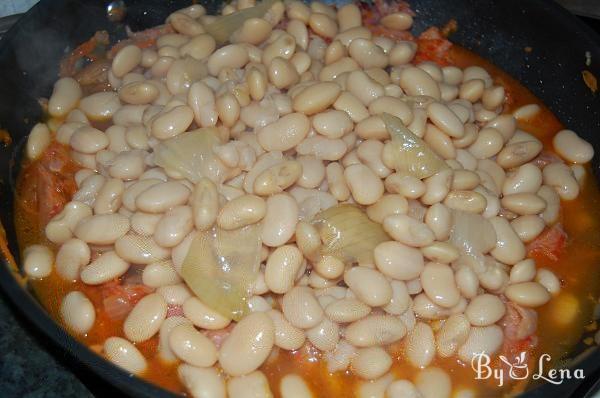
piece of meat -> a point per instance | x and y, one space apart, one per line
88 51
48 183
433 46
549 245
519 322
516 355
545 158
119 298
94 73
174 310
219 336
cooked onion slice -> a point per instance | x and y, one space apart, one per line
221 267
474 236
410 153
472 233
347 233
191 155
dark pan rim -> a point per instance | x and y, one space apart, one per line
30 308
34 313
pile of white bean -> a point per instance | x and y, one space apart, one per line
301 133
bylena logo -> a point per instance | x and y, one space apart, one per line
518 369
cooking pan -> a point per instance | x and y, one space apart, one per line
536 41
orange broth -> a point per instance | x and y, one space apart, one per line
577 268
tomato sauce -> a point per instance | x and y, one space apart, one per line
561 322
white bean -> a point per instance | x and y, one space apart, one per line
485 310
285 133
174 226
282 267
486 339
287 336
100 106
433 382
301 308
37 141
365 186
370 286
509 248
71 256
191 346
316 98
528 227
242 211
375 330
371 362
103 269
293 386
162 196
230 56
398 261
102 229
325 335
248 345
453 334
140 249
415 81
65 96
402 389
61 227
202 382
347 310
124 354
203 316
126 60
572 148
77 312
560 176
252 385
420 345
160 274
549 280
408 231
145 318
528 294
439 284
38 261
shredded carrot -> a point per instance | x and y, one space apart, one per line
5 137
590 80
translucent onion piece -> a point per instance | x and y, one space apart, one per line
411 154
225 25
472 233
221 267
474 236
191 155
348 234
